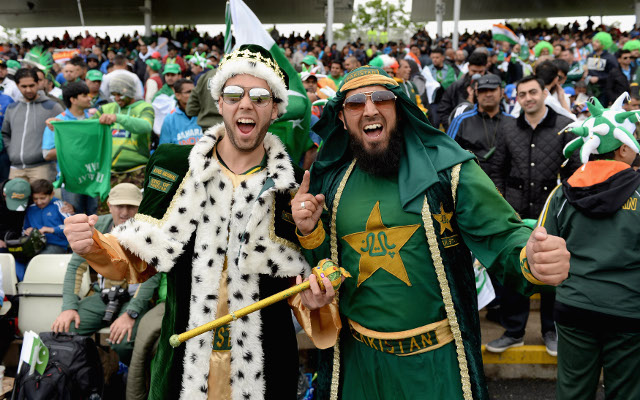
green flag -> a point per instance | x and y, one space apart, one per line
84 157
39 355
293 127
227 30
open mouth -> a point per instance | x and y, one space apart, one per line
246 125
373 130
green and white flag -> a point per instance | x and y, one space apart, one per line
293 127
34 353
84 157
227 30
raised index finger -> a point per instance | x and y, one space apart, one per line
304 186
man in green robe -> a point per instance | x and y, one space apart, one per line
405 207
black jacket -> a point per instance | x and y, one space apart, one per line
527 162
617 83
10 221
454 95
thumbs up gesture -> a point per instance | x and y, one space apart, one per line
548 257
305 207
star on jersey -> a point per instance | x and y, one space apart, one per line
379 247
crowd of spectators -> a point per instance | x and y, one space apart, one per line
152 90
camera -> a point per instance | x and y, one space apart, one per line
113 298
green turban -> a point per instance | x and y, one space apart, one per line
427 150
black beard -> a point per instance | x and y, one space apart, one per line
384 163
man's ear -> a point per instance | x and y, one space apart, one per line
341 116
274 111
220 104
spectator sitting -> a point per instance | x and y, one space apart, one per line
13 205
93 81
76 98
86 316
47 216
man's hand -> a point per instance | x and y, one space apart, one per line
63 322
3 245
593 79
548 257
67 208
46 229
121 327
107 119
306 208
79 232
313 298
49 121
27 231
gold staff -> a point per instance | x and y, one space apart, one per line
325 268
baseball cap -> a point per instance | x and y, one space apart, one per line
489 81
17 193
306 75
171 69
3 63
310 60
94 75
154 64
125 194
92 57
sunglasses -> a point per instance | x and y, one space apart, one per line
234 94
380 98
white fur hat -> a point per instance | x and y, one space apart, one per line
256 61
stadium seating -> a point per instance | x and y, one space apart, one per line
41 292
9 278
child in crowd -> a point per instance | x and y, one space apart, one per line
46 215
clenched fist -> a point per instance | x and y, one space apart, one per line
548 257
79 232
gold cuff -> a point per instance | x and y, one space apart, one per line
526 271
322 325
314 239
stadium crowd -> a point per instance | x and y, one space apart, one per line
505 101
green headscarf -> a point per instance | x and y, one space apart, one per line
426 149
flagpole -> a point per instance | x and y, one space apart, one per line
227 31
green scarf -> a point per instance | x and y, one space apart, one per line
426 149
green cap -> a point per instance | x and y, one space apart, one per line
310 60
13 64
632 45
154 64
17 192
171 69
94 75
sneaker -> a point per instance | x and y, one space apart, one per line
551 343
504 342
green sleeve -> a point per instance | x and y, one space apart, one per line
548 215
137 125
144 294
70 299
490 227
193 105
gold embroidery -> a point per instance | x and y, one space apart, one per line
447 299
272 231
455 179
335 375
159 222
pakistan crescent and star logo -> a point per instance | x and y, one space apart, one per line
379 247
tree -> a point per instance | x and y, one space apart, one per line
12 35
373 15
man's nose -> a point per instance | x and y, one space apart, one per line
370 108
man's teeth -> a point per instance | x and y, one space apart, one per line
372 127
246 121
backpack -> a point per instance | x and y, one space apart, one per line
24 248
74 371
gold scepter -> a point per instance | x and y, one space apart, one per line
325 268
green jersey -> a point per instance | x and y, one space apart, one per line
131 134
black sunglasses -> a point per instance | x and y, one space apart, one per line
380 98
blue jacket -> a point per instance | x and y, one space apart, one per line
5 100
50 216
178 128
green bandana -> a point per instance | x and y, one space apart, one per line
426 149
606 130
